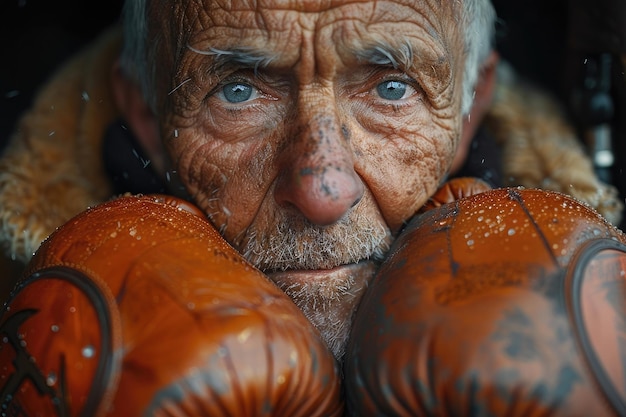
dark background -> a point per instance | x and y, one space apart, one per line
546 40
36 36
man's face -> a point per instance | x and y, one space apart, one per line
310 131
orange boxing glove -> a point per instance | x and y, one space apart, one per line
455 189
138 307
506 303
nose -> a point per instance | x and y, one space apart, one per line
317 175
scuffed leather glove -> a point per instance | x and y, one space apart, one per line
454 190
506 303
138 307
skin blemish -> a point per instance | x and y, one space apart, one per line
307 171
325 187
327 190
345 132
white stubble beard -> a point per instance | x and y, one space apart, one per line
324 270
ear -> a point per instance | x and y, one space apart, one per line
483 95
140 118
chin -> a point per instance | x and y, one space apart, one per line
328 297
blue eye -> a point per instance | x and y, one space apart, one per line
392 89
237 92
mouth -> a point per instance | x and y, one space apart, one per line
328 283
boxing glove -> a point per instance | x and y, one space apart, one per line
137 307
506 303
454 190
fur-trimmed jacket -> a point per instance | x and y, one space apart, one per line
53 166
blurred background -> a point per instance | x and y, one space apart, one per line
36 36
575 49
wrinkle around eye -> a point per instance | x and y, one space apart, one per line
383 116
242 121
367 84
262 89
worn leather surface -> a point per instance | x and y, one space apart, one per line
138 307
506 303
454 190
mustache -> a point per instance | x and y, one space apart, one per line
295 243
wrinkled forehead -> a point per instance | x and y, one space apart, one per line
311 40
303 6
289 19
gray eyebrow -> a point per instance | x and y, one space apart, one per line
241 57
383 53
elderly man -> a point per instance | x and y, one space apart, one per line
309 134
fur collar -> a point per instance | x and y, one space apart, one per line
52 168
541 149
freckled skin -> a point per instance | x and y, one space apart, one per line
315 144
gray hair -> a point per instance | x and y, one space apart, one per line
138 53
479 19
136 59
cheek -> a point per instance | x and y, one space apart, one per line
403 171
205 178
228 181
